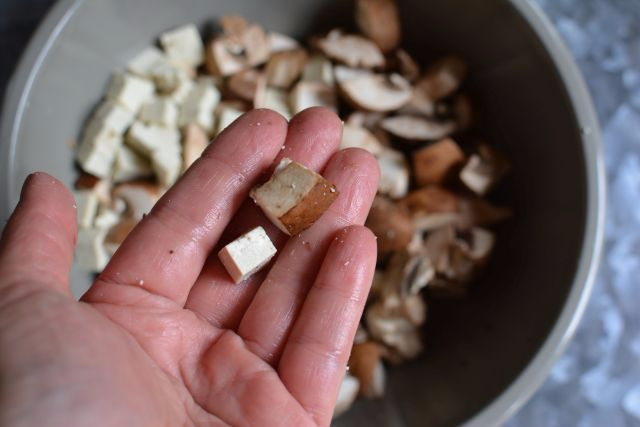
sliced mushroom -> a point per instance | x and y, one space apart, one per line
373 92
391 223
233 25
365 364
318 69
417 128
433 221
279 42
444 77
237 49
361 335
483 170
431 199
284 68
346 395
194 142
476 243
396 332
139 197
366 119
244 84
352 50
272 98
359 137
415 309
407 66
419 104
436 162
394 173
379 20
463 112
478 211
307 94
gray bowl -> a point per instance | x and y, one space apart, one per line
485 356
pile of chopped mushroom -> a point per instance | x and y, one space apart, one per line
430 215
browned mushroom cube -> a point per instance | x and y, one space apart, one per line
295 197
391 223
434 163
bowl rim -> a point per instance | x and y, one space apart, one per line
531 378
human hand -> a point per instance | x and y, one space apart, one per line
164 337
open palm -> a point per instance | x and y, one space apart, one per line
164 337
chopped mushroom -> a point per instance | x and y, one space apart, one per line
365 364
139 197
483 170
307 94
295 197
379 20
394 173
346 395
417 128
352 50
284 68
394 330
359 137
279 42
373 92
444 77
407 66
391 223
239 48
431 199
245 84
434 163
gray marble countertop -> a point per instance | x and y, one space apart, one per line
597 381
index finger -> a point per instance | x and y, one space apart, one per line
165 253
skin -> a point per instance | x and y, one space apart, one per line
164 337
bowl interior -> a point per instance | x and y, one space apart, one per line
475 348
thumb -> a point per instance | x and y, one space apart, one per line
36 249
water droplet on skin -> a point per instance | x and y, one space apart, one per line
333 190
140 282
75 207
258 124
347 263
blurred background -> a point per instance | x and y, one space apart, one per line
597 381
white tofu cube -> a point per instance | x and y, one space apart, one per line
194 142
247 254
199 106
183 46
181 92
130 91
160 111
87 202
227 115
394 173
167 165
91 254
130 165
113 116
149 138
98 149
144 63
106 219
295 197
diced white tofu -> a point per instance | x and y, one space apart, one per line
182 90
183 46
98 149
227 115
199 106
167 164
318 69
130 91
247 254
91 254
274 99
160 111
144 63
106 219
194 142
113 116
130 165
394 173
87 202
295 197
149 138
